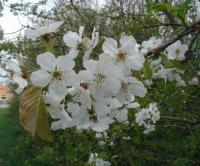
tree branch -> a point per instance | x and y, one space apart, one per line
192 122
193 28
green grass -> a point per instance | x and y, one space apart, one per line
9 135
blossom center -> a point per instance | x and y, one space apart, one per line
177 51
100 79
81 46
57 75
121 56
124 86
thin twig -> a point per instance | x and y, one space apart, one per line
163 24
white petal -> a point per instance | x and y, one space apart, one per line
100 126
14 67
128 43
95 37
73 53
90 64
71 79
170 53
47 61
71 39
85 76
54 26
133 105
110 46
87 54
19 80
81 29
112 85
122 115
22 83
135 61
61 124
102 109
65 63
32 34
40 78
138 87
58 88
86 99
19 90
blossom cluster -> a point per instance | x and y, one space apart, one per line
101 91
148 117
98 95
94 159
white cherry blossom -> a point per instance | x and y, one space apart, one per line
150 44
35 33
131 86
177 51
148 117
17 76
127 54
197 6
56 73
193 81
76 43
94 159
102 76
171 74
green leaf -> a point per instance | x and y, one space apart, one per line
180 11
137 74
178 64
147 70
166 62
33 116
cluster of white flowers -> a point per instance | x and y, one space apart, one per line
94 97
102 91
17 76
76 43
171 74
177 51
148 117
93 159
197 6
193 81
150 44
34 33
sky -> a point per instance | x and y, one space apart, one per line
11 23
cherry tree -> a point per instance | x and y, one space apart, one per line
99 81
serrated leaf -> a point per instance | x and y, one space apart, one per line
33 116
147 70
